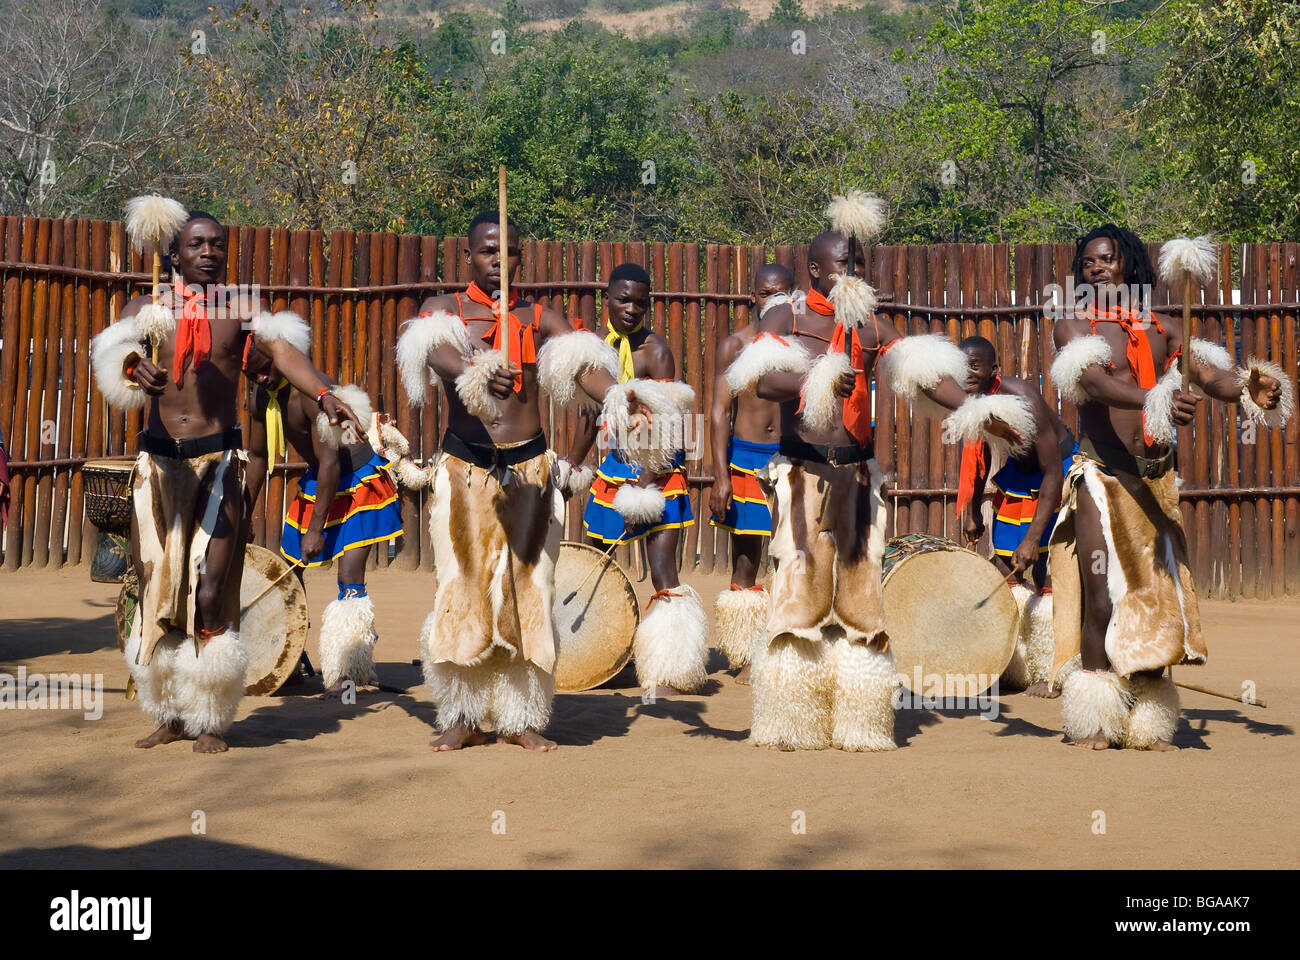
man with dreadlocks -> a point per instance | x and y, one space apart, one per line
1124 597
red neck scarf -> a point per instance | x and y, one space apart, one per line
857 405
973 464
522 346
1140 360
193 332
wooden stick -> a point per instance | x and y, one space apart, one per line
274 583
157 279
1216 693
503 234
1184 363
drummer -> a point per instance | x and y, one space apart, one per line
188 530
746 431
1024 507
361 510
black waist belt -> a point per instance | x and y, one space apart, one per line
359 457
488 456
191 447
1118 458
797 449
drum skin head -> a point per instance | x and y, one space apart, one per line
594 628
273 630
950 615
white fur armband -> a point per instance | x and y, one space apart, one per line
1212 355
472 384
969 422
285 325
563 360
1074 358
109 353
570 479
639 504
1158 408
822 407
1280 414
653 445
343 434
765 354
915 364
423 335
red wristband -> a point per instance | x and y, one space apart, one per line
129 370
321 396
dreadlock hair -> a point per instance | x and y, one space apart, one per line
1139 272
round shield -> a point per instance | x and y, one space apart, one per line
595 614
950 615
272 619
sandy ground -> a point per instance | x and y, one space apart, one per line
309 783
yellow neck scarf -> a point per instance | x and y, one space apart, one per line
627 370
275 442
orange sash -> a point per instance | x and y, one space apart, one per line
1140 360
522 345
973 464
857 405
193 333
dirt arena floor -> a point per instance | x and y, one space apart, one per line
309 783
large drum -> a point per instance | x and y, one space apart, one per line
107 486
272 621
596 614
950 615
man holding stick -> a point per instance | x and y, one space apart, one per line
1124 596
188 529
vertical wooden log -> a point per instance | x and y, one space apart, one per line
944 457
925 430
1277 471
334 309
704 355
1291 438
83 398
426 444
68 384
1248 451
12 377
39 324
888 411
406 304
1232 452
1203 560
348 306
688 366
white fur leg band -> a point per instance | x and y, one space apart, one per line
347 641
343 434
916 364
862 712
285 325
1158 408
472 385
1095 704
109 353
766 354
208 687
1073 359
655 444
1286 402
671 644
1155 713
563 361
741 618
822 406
423 335
637 505
970 422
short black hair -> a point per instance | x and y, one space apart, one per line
775 270
628 271
1138 269
493 217
981 347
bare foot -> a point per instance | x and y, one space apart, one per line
456 737
1041 689
780 748
1162 746
663 692
335 692
743 676
167 733
529 740
1095 742
209 743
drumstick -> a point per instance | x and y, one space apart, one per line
604 557
274 583
1216 693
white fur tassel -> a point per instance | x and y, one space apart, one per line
915 364
1183 257
970 422
638 505
156 321
822 407
153 220
671 644
857 214
284 325
766 354
423 335
109 352
1286 402
472 385
343 434
563 360
409 475
854 300
1159 406
574 481
1074 358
